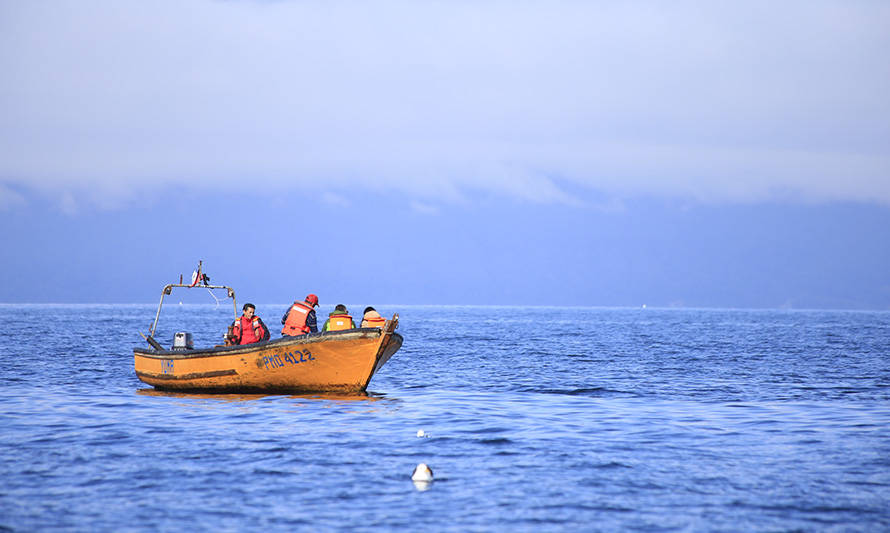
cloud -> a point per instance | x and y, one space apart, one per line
335 200
10 198
719 102
423 209
68 204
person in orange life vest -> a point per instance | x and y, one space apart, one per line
299 319
249 328
338 319
372 319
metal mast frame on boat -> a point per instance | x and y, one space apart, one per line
168 289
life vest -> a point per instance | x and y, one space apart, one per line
372 319
296 320
339 322
244 330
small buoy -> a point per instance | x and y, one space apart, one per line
422 472
420 433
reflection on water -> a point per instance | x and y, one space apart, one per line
422 486
235 397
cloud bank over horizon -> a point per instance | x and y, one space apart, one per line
720 102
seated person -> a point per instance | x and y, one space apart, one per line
372 319
338 320
247 329
299 319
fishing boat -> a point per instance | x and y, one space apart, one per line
335 361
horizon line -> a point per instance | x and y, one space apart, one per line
642 307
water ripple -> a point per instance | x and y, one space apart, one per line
602 419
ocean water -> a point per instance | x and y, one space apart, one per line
537 419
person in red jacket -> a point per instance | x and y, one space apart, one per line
249 328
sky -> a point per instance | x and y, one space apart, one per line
683 154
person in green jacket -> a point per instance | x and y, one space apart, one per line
338 320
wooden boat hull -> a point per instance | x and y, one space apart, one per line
341 361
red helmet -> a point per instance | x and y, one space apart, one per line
312 299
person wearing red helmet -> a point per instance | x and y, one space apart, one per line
300 317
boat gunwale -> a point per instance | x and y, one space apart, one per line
311 338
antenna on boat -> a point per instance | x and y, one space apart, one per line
199 277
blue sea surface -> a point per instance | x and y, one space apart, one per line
536 419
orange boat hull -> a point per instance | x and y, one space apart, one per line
342 361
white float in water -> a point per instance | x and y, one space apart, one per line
420 433
422 473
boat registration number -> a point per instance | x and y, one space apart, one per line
279 360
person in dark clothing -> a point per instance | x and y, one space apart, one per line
300 317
